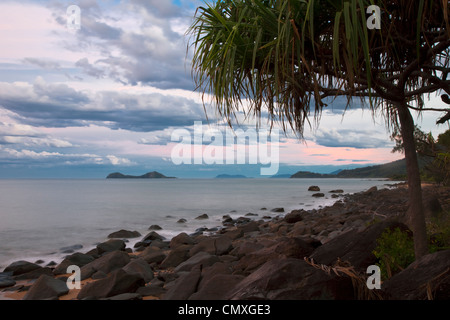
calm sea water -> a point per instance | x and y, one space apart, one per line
39 217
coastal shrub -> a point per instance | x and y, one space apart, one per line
439 232
394 251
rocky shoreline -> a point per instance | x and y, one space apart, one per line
304 255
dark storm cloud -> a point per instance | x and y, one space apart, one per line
51 105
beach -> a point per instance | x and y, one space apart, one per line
285 256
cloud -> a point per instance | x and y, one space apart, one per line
359 139
58 105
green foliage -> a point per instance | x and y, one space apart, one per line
395 251
439 232
395 248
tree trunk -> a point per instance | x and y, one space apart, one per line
416 214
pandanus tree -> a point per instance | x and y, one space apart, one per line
290 58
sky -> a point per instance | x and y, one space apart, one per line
109 97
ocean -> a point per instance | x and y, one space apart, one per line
40 218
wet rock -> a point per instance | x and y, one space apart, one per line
20 267
71 249
202 217
277 210
184 286
124 234
153 255
182 220
110 245
6 280
295 216
176 256
313 188
318 195
337 191
153 236
154 227
34 274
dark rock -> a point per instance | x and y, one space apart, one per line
6 280
109 262
202 217
370 191
34 274
318 195
20 267
77 259
116 283
277 210
184 286
99 275
110 245
140 268
39 261
292 279
213 245
46 287
182 220
151 290
153 236
154 227
124 234
284 247
218 287
242 220
295 216
249 227
51 264
181 239
354 247
152 255
429 274
313 188
250 214
71 249
125 297
245 248
176 256
235 233
202 258
337 191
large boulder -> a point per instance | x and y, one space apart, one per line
218 287
46 287
124 234
110 245
176 256
184 286
201 258
181 239
213 245
76 259
284 247
6 280
116 283
354 247
140 268
292 279
429 275
109 262
20 267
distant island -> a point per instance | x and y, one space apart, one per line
392 170
229 176
149 175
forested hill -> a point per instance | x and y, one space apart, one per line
388 170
